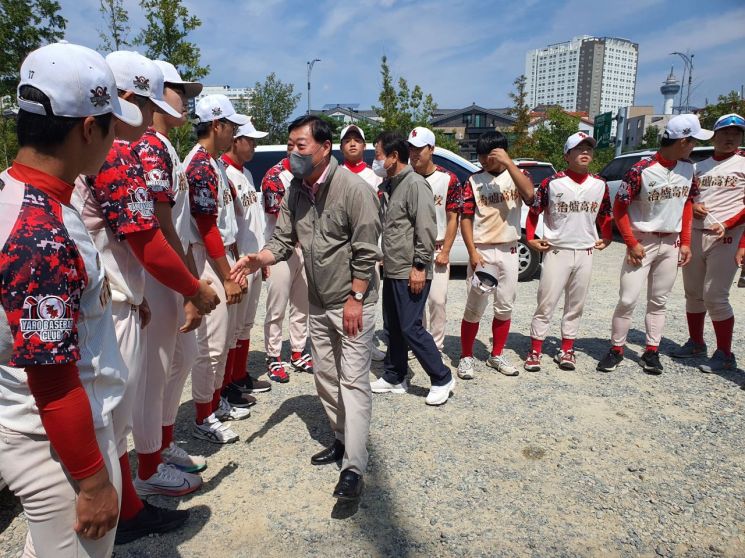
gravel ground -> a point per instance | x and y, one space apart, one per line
551 463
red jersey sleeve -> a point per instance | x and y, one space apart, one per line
632 182
468 206
42 277
540 202
120 190
273 189
454 198
695 189
157 166
203 184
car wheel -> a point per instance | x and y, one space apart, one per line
529 260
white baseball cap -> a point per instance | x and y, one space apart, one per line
136 73
685 126
217 107
420 136
728 120
171 75
77 81
575 139
352 127
248 130
485 278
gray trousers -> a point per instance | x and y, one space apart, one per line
341 367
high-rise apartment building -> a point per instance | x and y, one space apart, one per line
587 74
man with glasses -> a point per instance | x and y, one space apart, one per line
718 213
653 211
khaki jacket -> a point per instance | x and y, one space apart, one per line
338 233
410 225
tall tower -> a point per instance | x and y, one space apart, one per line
669 89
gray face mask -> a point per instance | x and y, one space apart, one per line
301 166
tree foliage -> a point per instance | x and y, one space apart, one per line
522 144
165 36
651 137
550 138
402 108
183 139
731 102
272 102
115 34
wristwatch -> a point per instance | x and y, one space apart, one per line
357 296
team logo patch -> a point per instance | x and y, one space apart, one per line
48 317
140 202
100 96
158 181
204 199
216 111
141 82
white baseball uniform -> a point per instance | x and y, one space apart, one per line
59 312
573 206
655 192
287 281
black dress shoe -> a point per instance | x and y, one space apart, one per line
349 486
332 454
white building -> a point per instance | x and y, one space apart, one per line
586 74
233 93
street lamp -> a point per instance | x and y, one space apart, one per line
688 67
310 64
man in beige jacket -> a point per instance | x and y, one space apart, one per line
333 215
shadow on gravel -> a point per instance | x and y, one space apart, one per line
10 508
309 409
156 546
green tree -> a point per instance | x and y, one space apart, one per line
550 138
402 108
272 102
25 25
731 102
651 138
114 35
183 139
601 158
165 36
523 144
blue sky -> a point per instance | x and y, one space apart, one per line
461 51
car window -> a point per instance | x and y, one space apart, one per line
701 154
617 168
538 173
461 172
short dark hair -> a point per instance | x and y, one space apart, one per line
319 128
392 141
47 132
667 142
202 129
488 141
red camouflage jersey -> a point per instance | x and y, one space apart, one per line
157 166
203 183
273 187
121 192
42 277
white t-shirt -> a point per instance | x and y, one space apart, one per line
495 203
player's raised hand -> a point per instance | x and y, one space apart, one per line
635 255
206 299
500 156
684 256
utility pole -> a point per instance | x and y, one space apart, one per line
310 65
620 129
688 68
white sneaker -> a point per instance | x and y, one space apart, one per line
501 364
381 386
225 411
169 480
410 355
466 368
214 431
378 355
174 455
438 395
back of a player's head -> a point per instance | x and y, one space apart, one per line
319 128
489 141
667 142
392 141
47 132
202 129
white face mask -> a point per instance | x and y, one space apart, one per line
379 169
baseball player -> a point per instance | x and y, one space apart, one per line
211 206
447 195
118 212
718 211
286 283
490 226
62 373
352 143
170 347
250 239
575 204
653 212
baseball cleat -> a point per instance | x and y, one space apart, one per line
610 361
690 349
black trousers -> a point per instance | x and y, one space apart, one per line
402 311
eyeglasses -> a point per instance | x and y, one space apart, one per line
731 120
